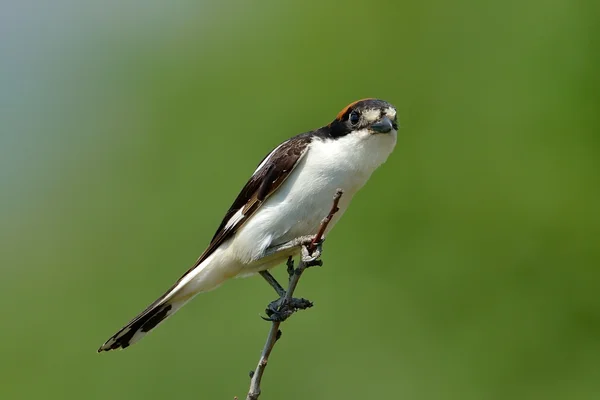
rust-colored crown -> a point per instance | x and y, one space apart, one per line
341 114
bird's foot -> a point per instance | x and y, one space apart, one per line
311 254
281 309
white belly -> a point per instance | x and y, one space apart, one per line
304 199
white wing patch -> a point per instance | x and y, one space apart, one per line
267 158
237 217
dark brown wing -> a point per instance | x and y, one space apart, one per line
271 173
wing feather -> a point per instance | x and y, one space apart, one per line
272 172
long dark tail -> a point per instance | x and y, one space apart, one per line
138 327
201 278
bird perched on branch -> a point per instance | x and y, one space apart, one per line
286 198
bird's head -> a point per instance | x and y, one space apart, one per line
367 116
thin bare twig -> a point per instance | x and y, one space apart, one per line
311 252
334 208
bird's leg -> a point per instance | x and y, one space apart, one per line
274 306
282 248
282 308
273 282
309 259
285 247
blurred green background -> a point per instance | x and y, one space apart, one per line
466 269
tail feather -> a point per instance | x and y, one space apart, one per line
162 308
201 278
142 324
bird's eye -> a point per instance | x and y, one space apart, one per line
354 117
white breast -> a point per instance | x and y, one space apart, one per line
298 206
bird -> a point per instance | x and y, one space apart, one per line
286 198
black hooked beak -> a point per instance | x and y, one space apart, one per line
384 125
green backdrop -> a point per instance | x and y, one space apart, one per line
467 268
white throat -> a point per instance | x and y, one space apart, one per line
356 155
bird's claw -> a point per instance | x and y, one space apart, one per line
307 241
280 309
312 259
